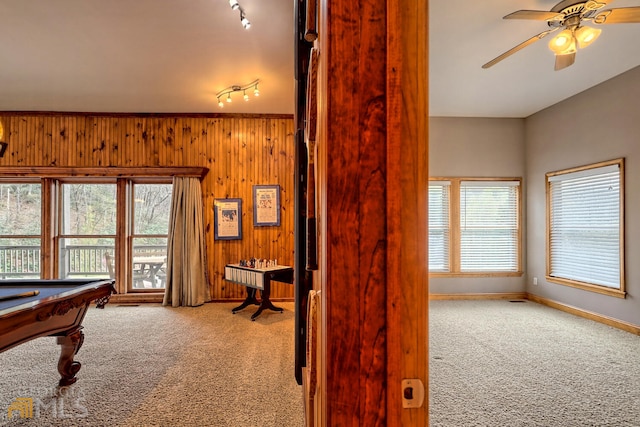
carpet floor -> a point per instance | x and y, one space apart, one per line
500 363
149 365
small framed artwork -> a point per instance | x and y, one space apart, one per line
227 217
266 205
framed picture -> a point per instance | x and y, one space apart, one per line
266 205
227 217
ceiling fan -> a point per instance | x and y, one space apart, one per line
569 17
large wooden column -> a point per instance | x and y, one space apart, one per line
372 209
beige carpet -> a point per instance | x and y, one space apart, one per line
157 366
517 364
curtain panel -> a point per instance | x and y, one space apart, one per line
187 283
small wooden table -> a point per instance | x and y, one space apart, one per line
257 279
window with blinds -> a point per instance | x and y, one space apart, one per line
585 236
489 226
439 226
474 226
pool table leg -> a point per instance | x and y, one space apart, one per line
69 343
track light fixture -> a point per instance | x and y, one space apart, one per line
237 88
243 17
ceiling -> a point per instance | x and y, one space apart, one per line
144 56
174 56
464 35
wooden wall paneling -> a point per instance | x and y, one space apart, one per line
115 144
32 153
73 141
50 158
191 154
238 151
70 124
28 143
64 141
99 152
61 141
88 135
93 148
31 142
124 145
54 147
161 136
22 153
78 139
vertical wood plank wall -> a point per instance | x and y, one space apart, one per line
239 151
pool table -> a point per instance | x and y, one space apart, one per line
50 308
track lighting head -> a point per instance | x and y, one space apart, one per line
245 22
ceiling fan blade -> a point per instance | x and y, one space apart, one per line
538 15
563 61
621 15
517 48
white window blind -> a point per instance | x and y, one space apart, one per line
439 225
584 234
489 226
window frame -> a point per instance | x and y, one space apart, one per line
51 176
455 232
592 287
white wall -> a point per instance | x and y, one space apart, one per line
476 147
599 124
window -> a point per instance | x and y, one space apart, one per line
585 236
474 227
113 222
87 224
439 226
151 211
20 209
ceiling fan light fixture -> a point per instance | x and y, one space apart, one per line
586 36
563 43
234 4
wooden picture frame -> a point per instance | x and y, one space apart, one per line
227 214
266 205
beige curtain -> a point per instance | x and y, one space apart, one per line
187 283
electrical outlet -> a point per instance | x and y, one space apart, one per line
535 280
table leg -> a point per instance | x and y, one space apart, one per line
250 300
266 303
69 346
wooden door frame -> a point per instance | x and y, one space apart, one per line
372 196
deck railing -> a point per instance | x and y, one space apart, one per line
19 262
23 262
